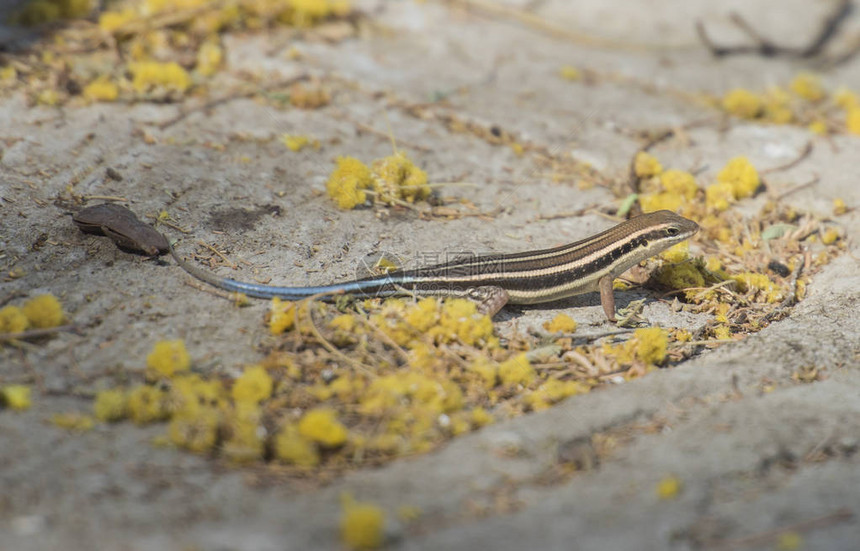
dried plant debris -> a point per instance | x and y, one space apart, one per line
805 101
167 49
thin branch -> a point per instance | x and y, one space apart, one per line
840 515
231 97
807 151
36 333
764 47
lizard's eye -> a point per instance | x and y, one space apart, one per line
671 232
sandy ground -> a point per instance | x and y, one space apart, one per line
751 462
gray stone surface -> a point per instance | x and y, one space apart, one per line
750 462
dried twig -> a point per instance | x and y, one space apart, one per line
367 128
11 296
798 187
231 97
790 300
840 515
367 370
218 253
568 214
36 333
807 150
766 48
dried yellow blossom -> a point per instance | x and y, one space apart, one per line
397 177
297 143
759 283
43 311
73 421
852 120
459 320
808 86
669 487
147 75
293 448
651 344
101 89
209 58
742 103
652 202
789 541
553 391
722 332
561 323
839 207
777 106
13 320
321 426
347 182
361 524
517 370
676 253
147 404
846 99
110 21
741 175
254 385
831 235
646 165
424 314
487 370
680 183
683 275
282 316
16 397
8 73
168 358
719 196
568 72
304 13
111 405
244 443
197 432
818 127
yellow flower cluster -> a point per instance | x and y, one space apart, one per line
552 392
347 183
40 312
15 397
663 189
646 165
805 101
101 89
737 180
297 143
648 346
392 179
167 358
454 320
569 72
758 283
148 76
676 188
361 524
561 323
